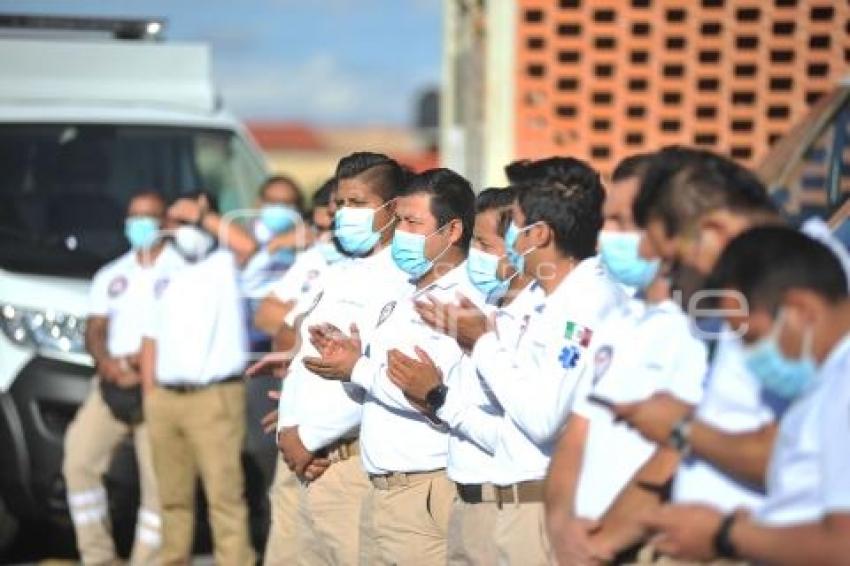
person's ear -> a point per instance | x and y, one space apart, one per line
541 234
455 231
803 307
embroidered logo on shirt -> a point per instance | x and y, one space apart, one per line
578 333
569 356
601 362
117 286
386 312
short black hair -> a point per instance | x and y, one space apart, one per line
499 199
322 196
633 166
383 174
452 198
681 184
286 180
766 262
570 204
517 171
526 171
149 193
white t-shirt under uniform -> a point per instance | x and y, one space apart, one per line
124 291
639 350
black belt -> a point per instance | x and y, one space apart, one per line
192 387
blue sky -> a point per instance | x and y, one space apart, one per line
322 61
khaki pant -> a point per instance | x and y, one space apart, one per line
404 521
328 528
90 442
520 535
201 432
471 527
283 498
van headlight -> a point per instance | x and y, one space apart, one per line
43 329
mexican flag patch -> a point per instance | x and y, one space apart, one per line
578 333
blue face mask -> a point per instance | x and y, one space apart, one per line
409 253
329 252
619 253
786 378
482 269
278 217
284 256
141 231
517 259
353 229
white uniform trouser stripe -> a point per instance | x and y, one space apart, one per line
88 516
148 536
149 518
95 496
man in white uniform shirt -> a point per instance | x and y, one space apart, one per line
406 511
297 289
121 295
470 410
690 204
193 354
643 347
319 419
532 368
796 336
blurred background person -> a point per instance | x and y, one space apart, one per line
192 359
280 232
121 295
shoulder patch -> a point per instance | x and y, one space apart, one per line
117 286
578 333
386 312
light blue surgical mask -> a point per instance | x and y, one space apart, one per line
278 217
408 252
353 229
141 231
329 252
784 377
517 259
619 253
482 269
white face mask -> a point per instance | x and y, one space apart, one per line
192 242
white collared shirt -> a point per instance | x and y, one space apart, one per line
732 402
304 280
474 416
533 369
809 472
124 291
198 323
395 436
326 410
639 350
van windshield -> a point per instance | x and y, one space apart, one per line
64 188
